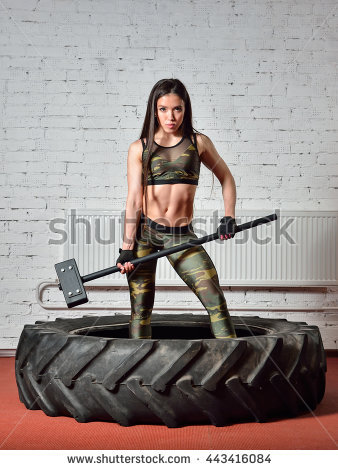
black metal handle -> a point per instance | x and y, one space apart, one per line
174 249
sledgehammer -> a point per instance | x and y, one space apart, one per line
71 282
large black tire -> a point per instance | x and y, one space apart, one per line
89 369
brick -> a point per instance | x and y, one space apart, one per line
4 250
22 133
13 238
324 193
28 227
64 134
328 204
326 159
27 180
70 109
100 134
31 110
30 214
20 122
32 250
63 121
29 203
100 123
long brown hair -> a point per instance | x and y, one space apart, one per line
150 124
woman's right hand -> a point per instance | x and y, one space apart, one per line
123 261
126 268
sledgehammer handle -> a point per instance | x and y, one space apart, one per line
254 223
175 249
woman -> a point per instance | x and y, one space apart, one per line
162 172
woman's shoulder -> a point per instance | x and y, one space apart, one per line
136 148
137 145
201 140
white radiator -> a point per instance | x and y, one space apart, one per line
299 249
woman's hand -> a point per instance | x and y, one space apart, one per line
227 229
126 268
123 261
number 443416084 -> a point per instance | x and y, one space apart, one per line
238 458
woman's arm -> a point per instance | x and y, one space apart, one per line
214 162
135 194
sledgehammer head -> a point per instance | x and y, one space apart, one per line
71 283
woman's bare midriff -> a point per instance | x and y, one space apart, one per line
170 204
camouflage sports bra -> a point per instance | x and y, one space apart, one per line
177 164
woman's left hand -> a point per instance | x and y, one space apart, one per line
227 229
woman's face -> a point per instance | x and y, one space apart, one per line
170 112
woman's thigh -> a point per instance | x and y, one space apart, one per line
141 279
194 266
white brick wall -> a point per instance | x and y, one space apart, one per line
74 80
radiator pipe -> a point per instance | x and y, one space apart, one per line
172 307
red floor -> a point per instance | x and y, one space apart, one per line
23 429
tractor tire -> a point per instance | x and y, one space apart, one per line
87 368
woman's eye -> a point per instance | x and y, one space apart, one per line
163 109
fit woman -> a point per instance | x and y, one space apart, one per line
162 171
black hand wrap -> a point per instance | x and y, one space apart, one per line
227 227
125 255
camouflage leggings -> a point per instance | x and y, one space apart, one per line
193 265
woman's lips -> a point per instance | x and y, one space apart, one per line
171 125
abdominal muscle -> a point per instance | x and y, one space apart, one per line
170 204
